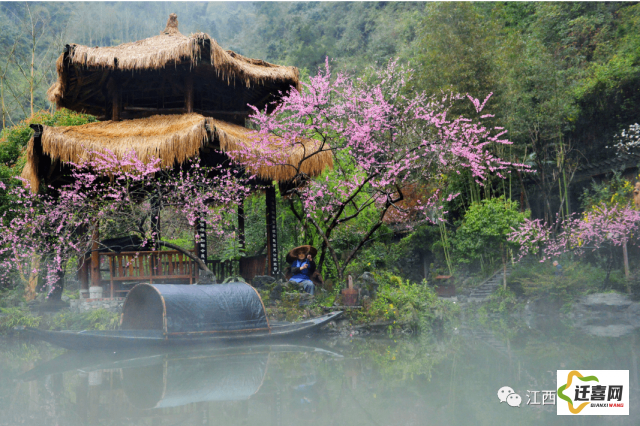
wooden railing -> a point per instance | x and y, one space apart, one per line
164 266
150 266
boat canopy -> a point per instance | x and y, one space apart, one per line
185 309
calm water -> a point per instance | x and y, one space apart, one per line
446 380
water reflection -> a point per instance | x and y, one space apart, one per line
450 379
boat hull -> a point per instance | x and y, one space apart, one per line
121 339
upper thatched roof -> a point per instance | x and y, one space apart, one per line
172 138
161 63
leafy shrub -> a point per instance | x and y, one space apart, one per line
15 317
484 231
415 304
99 319
540 280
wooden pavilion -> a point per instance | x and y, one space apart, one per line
171 97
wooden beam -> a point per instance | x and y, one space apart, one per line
272 231
221 112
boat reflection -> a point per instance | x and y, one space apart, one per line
127 384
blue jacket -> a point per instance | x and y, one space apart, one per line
300 275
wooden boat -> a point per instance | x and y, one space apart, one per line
168 315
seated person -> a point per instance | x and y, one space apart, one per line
302 269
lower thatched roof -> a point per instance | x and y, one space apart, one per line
172 138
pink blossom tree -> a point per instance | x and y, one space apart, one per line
602 226
383 139
124 192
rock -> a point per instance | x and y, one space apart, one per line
260 281
612 302
206 278
606 314
302 299
367 285
633 314
611 330
366 302
276 292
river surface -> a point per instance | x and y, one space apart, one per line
450 379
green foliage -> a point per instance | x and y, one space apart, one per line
16 317
14 140
502 301
540 280
99 319
614 191
484 230
413 304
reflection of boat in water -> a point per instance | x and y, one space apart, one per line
170 315
173 378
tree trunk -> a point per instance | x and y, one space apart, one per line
32 282
55 295
187 253
625 258
504 269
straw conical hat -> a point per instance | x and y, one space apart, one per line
293 253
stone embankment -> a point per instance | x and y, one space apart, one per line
606 314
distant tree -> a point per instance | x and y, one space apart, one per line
483 235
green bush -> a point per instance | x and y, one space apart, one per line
15 317
414 304
539 280
482 237
99 319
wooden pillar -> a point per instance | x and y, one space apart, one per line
201 244
83 270
113 89
188 93
272 231
155 220
95 258
241 238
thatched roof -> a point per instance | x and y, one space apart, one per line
160 64
172 138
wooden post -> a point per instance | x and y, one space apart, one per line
95 258
113 89
201 245
155 220
188 93
241 239
272 231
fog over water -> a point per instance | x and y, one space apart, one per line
452 379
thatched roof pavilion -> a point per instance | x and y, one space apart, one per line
170 97
156 73
173 139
